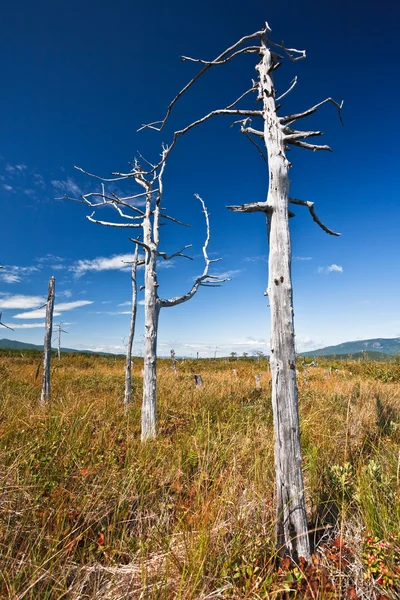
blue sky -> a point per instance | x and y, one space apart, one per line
78 81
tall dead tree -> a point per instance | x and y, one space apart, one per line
149 221
128 363
45 396
277 134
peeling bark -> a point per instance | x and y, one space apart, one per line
45 396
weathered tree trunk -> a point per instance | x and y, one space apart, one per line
292 531
128 363
152 311
45 396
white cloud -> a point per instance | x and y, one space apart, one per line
71 305
67 186
8 188
49 258
228 274
14 274
102 263
127 303
10 278
35 314
19 301
38 180
25 325
113 312
58 309
66 293
331 269
16 168
302 258
141 302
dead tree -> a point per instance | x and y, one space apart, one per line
45 396
173 360
149 220
276 133
128 363
60 330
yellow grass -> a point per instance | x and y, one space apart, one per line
87 511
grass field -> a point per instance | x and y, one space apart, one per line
87 511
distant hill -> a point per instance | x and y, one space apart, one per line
388 346
6 344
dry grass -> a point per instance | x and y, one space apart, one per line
89 512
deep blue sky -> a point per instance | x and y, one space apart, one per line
78 81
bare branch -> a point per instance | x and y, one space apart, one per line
108 224
310 206
246 131
174 220
314 147
298 135
251 207
252 89
293 83
97 176
3 324
141 244
312 110
205 277
289 51
179 253
212 63
159 125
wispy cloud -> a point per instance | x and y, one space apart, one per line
127 303
66 293
14 274
58 310
227 274
102 263
330 269
113 312
25 325
8 188
302 257
18 301
13 169
261 258
66 186
49 258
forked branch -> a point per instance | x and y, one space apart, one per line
310 206
205 278
312 110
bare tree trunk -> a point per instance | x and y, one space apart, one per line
152 311
128 363
47 342
292 531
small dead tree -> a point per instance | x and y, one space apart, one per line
277 135
45 396
60 330
173 360
149 220
128 363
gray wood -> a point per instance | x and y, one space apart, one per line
45 396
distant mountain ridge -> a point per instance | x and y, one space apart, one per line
390 346
6 344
